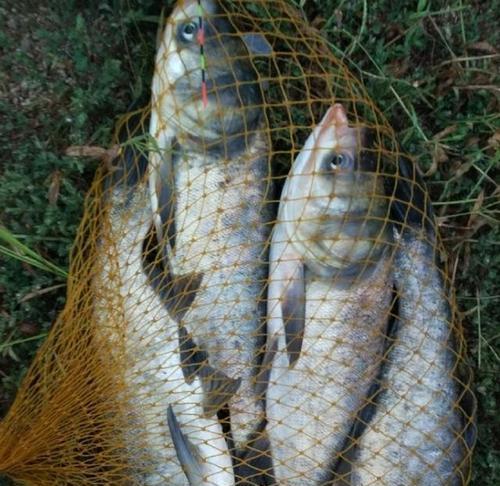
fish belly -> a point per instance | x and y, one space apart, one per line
143 339
414 436
311 407
221 232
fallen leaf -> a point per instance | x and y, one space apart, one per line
471 141
28 328
475 212
54 187
444 133
318 22
494 140
439 156
37 293
99 153
483 46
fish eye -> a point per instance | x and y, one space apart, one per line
188 31
338 160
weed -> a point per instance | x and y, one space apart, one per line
67 71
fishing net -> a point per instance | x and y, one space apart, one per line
257 292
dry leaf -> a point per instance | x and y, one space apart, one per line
483 46
475 212
444 133
28 328
55 187
37 293
439 154
494 140
99 153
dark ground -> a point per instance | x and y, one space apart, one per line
68 69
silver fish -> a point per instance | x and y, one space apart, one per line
420 429
209 179
328 301
134 322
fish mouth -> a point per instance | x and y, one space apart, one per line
335 117
208 6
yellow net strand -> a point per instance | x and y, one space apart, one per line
256 292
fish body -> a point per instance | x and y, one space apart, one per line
209 179
418 432
328 302
134 321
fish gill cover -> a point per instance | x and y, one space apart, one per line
256 293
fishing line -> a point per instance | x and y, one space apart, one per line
201 41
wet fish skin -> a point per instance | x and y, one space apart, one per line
415 435
315 388
222 236
224 124
420 426
214 161
136 325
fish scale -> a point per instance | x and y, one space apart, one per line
216 231
313 404
327 314
211 173
133 318
416 422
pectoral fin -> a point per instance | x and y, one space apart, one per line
165 190
193 358
257 44
177 292
293 312
162 195
182 292
161 186
185 450
218 389
286 295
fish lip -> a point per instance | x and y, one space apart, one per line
210 7
335 117
185 4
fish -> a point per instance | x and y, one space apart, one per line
209 180
147 342
420 427
329 297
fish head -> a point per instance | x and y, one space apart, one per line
335 201
336 157
212 94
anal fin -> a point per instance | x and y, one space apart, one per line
218 389
193 358
185 450
293 314
182 292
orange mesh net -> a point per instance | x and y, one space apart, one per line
256 293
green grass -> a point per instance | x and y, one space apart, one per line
68 69
67 72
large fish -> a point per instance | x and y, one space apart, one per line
329 297
147 341
420 427
209 180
